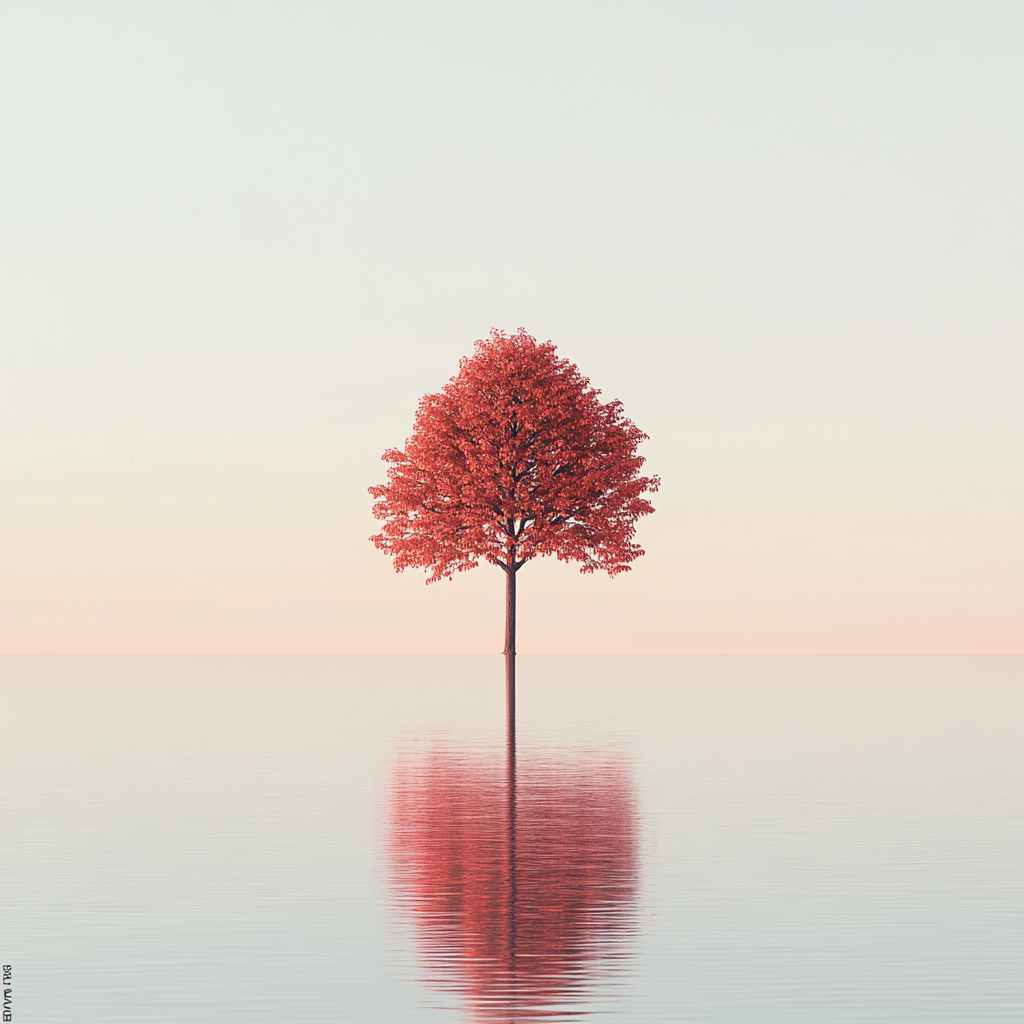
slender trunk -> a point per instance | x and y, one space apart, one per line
510 650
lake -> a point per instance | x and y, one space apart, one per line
671 839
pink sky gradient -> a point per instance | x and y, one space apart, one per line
243 245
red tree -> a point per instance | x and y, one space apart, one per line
516 457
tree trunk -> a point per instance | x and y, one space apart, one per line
510 651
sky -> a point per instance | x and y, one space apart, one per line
238 241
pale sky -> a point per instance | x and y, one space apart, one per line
239 240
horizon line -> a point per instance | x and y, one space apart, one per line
529 654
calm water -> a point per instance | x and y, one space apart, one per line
328 839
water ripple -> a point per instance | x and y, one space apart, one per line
520 876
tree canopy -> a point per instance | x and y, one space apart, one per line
516 457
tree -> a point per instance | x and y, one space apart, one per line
515 458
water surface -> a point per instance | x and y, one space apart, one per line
671 839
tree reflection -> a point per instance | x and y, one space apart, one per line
521 880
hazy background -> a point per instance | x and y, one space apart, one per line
239 240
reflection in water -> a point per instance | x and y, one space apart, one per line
521 879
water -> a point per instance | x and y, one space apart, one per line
671 839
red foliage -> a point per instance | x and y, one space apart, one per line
516 457
523 894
